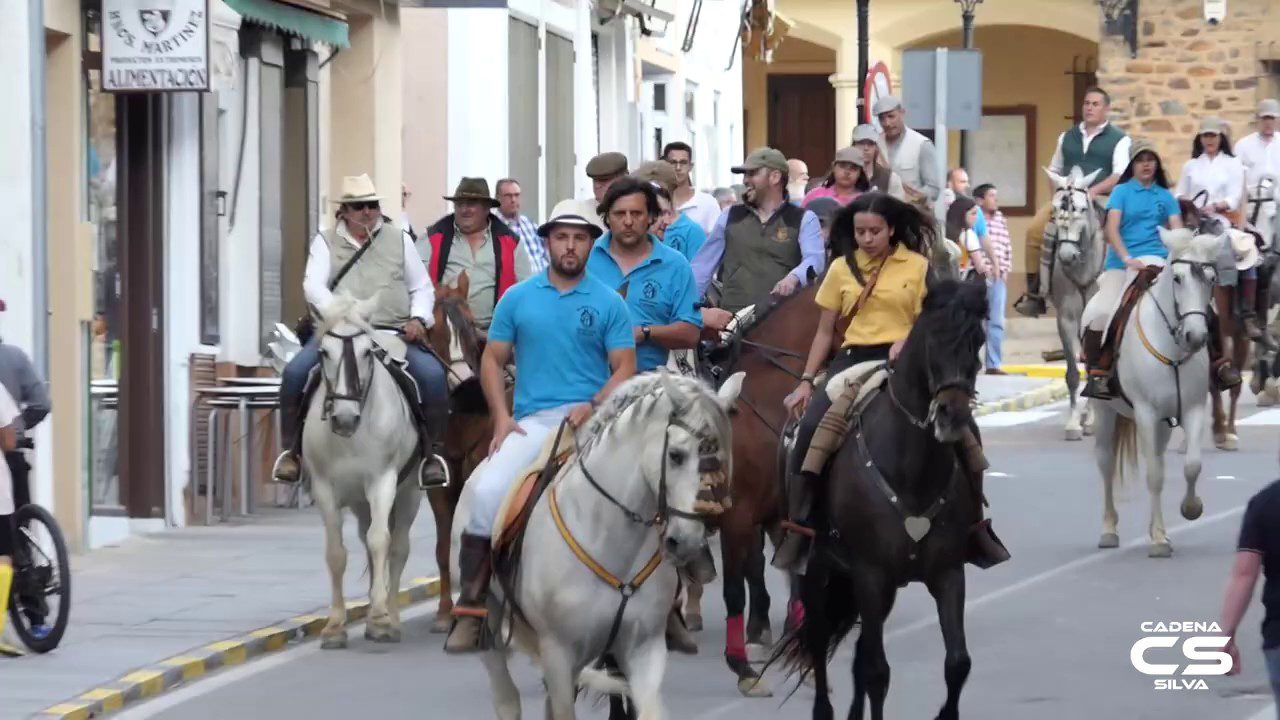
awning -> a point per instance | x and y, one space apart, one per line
293 20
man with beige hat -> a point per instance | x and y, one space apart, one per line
911 155
366 255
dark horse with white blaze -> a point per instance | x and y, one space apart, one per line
897 477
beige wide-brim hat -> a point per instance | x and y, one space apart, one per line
1244 249
569 212
358 188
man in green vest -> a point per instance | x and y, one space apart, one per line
1094 144
764 246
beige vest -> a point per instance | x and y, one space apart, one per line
906 159
380 271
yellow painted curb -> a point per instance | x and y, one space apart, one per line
1037 371
111 700
69 711
192 667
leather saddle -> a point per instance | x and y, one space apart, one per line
1120 320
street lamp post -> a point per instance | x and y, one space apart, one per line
966 16
863 46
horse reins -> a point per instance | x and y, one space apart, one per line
1199 269
1066 206
348 366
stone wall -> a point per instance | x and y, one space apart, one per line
1186 68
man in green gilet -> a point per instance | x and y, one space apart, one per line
763 246
1094 144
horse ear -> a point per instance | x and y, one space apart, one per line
669 386
728 392
1087 180
1057 179
463 284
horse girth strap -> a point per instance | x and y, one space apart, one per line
1146 343
916 526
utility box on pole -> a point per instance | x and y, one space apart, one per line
942 90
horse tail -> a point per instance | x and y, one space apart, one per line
600 681
830 614
1125 447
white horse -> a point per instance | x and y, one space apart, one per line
1076 262
1260 212
358 438
1163 369
624 503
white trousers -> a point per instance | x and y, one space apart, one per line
1111 284
496 476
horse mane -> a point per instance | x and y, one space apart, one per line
630 397
954 315
343 308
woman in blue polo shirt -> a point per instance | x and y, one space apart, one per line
1139 205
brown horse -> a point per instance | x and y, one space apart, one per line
1230 336
771 349
456 340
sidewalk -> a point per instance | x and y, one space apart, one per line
161 595
1000 393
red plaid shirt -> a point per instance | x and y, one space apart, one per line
1001 245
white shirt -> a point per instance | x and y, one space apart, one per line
8 416
1119 156
703 209
422 294
1222 176
1259 156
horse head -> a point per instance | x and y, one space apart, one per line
1074 216
690 423
346 360
939 362
454 335
1188 284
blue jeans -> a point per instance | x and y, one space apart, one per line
997 292
426 369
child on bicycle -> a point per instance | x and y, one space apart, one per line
9 416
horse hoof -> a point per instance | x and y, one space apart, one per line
1160 550
1265 399
1228 443
1192 508
1109 540
336 641
754 687
1073 434
381 634
441 624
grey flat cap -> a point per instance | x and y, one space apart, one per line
886 104
1269 108
607 165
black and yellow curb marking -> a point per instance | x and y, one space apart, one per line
148 682
1043 395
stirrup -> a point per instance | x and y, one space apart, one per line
1097 387
275 468
424 467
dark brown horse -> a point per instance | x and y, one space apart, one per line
895 478
772 351
458 343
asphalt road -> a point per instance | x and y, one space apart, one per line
1049 632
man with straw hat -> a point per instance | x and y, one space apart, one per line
490 256
366 255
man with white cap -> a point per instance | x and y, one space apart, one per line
366 255
911 154
572 340
1260 154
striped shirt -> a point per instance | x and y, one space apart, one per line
534 246
1001 245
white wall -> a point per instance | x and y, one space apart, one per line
477 95
16 287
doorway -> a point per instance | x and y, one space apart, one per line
802 119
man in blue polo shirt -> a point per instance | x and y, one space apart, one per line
572 341
655 279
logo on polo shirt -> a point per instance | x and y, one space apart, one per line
651 288
588 318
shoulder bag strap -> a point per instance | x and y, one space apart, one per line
866 291
342 272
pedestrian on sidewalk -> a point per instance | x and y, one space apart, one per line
1257 552
999 265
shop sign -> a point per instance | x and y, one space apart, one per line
155 45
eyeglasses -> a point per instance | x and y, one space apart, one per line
681 163
368 205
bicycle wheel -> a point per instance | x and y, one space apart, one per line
40 599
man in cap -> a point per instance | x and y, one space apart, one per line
699 206
1094 144
911 154
490 256
603 169
764 246
683 234
541 324
366 255
1260 154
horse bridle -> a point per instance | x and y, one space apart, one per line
963 384
1200 270
346 363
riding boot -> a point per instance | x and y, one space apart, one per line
1098 379
795 543
679 638
1224 376
433 471
1031 304
474 567
985 549
1248 312
286 468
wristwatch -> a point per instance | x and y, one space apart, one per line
644 330
807 377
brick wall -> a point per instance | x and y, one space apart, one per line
1186 68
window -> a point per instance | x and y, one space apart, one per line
690 96
657 142
660 97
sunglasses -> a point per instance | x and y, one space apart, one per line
370 205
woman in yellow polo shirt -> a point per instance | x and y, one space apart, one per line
879 241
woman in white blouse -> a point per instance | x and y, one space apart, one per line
1219 176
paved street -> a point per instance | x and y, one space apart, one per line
1049 632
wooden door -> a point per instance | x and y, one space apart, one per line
802 119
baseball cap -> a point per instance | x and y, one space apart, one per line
848 155
658 171
1211 124
1140 146
865 132
1269 108
764 157
886 104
